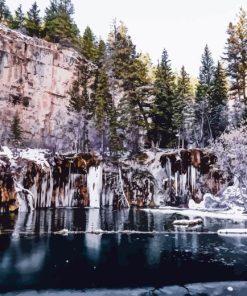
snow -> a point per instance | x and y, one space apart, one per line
6 152
234 214
63 232
232 232
35 155
184 222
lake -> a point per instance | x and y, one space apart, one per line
118 252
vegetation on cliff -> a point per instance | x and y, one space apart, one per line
133 104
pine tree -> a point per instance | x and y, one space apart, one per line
130 73
241 29
101 52
206 75
232 58
33 21
122 51
18 21
218 102
81 109
102 100
163 132
59 25
89 45
203 130
236 57
16 130
5 14
105 114
183 107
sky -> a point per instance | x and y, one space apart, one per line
183 27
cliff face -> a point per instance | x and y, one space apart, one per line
35 77
34 178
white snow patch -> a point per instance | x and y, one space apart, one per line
234 214
36 155
232 232
184 222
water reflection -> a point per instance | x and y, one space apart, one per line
47 221
32 256
93 241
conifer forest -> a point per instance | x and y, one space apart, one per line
121 174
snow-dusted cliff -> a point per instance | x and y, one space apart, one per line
35 77
34 178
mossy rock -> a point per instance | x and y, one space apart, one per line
141 157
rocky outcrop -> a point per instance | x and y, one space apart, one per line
35 78
34 178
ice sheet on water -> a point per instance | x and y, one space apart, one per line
233 214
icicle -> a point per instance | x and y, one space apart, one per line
50 189
34 191
176 183
94 184
193 178
168 169
25 198
44 191
125 202
183 183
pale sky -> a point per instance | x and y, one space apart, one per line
183 27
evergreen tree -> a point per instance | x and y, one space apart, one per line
105 114
33 21
218 102
122 52
81 109
130 73
241 29
102 100
236 57
16 130
206 75
18 21
101 52
5 14
232 58
89 45
163 131
59 25
183 108
203 130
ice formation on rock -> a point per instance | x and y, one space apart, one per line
94 183
160 178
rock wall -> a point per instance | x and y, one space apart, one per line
35 77
34 178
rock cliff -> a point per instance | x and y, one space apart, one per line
35 77
34 178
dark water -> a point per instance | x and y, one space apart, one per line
133 250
